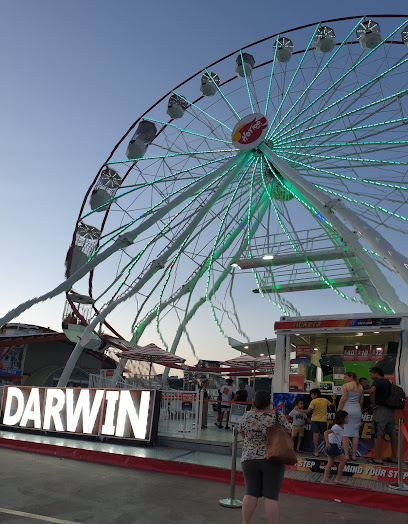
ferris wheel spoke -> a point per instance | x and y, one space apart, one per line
342 176
348 95
156 206
246 81
237 116
271 78
378 126
226 213
202 111
349 159
292 80
366 204
190 284
171 155
213 290
308 88
359 62
188 131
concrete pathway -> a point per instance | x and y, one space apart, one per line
38 488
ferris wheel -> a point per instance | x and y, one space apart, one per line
284 162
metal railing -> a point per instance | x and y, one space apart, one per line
181 414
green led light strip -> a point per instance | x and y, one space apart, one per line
202 110
292 80
344 76
338 175
315 78
366 204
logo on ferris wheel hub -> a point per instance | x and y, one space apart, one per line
250 131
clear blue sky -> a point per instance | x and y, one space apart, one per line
75 75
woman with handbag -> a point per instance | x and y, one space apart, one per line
263 477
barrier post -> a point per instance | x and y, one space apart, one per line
232 502
400 486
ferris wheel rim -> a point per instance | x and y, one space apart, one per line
201 97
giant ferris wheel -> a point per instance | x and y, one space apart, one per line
285 160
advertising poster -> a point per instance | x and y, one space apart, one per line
12 361
377 353
187 401
363 353
303 354
349 353
296 382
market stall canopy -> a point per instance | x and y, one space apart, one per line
150 353
265 364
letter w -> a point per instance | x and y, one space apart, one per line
84 413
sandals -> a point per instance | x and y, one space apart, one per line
342 481
327 482
372 461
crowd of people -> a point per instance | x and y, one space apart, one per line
263 478
351 402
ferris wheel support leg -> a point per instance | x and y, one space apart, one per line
263 207
332 210
118 371
232 173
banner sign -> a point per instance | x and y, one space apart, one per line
377 353
363 353
303 354
296 382
12 361
349 353
336 323
99 412
359 471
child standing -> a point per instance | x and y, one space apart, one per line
298 425
319 407
333 438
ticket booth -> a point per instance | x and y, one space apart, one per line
326 347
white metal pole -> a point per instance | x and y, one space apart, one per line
126 238
86 336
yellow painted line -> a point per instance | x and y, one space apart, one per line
36 517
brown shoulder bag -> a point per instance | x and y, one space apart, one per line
279 445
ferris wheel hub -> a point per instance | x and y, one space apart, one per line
250 131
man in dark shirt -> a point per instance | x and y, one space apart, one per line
383 416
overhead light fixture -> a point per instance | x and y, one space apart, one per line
234 265
246 347
315 349
268 257
262 354
359 334
376 332
297 334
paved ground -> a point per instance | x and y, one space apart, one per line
64 490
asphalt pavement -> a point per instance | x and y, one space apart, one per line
37 488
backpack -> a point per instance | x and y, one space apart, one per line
396 399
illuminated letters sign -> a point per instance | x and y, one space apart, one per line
125 413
